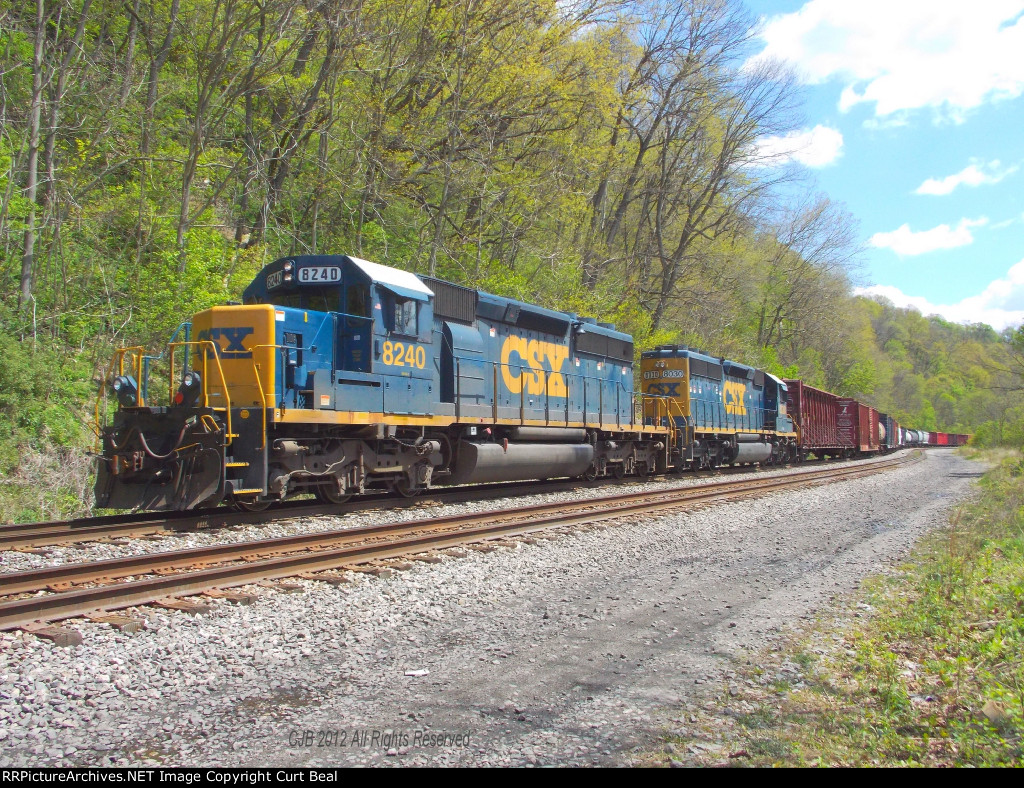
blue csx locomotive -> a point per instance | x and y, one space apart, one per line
336 375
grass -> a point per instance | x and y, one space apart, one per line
923 668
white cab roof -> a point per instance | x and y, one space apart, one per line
391 276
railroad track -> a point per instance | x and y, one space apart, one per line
32 536
36 596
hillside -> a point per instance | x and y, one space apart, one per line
571 154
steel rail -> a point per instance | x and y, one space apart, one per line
21 536
402 539
51 534
30 580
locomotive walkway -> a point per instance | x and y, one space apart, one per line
35 597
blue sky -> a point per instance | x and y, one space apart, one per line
914 119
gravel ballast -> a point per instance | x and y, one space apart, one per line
575 650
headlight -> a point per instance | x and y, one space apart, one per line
188 391
126 390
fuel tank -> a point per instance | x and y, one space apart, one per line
752 452
499 462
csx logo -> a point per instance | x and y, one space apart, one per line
732 395
664 389
519 352
228 340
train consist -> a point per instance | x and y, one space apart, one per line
336 376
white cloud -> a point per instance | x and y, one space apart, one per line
817 147
974 174
908 54
1000 305
906 242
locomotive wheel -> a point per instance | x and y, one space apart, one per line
618 470
328 493
251 506
403 488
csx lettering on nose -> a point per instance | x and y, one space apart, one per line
233 335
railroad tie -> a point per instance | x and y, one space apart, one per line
118 622
187 606
237 597
61 636
284 588
382 572
326 577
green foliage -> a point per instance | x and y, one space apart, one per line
41 393
44 467
496 144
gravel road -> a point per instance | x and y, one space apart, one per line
576 650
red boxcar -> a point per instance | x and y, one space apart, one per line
815 413
858 425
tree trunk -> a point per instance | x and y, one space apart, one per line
156 63
129 56
32 176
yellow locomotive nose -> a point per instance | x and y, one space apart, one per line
667 382
244 340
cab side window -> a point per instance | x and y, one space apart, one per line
405 316
358 300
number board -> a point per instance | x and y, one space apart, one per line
401 354
319 274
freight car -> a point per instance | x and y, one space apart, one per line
816 415
858 426
891 434
925 438
336 375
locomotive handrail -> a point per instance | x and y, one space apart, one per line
210 349
118 359
144 382
569 377
263 395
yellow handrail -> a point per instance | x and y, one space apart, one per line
259 386
118 360
210 351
